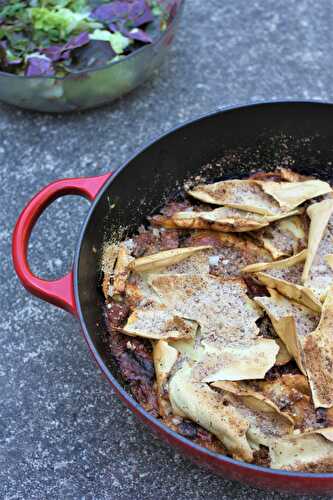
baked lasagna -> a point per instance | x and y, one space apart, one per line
219 314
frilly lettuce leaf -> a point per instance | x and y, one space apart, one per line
118 41
56 24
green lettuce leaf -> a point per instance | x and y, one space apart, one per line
118 41
58 24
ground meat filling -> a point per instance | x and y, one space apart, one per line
254 288
276 371
169 240
267 176
145 243
266 329
188 429
324 417
133 357
117 313
261 457
151 241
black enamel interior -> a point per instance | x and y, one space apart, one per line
259 137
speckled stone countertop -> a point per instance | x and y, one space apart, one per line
63 434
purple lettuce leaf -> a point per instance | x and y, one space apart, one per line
62 52
77 41
136 13
95 54
140 35
137 8
111 12
39 66
53 52
145 18
140 13
113 27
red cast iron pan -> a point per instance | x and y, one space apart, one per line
260 137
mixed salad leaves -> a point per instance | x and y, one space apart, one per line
57 37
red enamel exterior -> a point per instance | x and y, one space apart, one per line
59 292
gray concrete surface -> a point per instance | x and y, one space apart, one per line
63 434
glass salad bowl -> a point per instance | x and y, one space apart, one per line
93 87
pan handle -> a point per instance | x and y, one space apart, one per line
59 292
